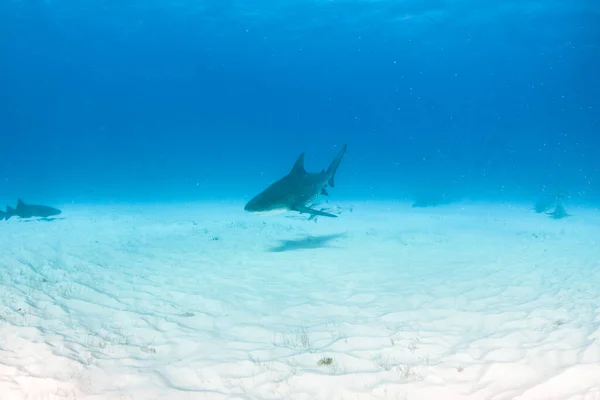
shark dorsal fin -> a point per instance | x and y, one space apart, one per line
298 167
20 204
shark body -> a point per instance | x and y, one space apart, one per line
24 210
296 190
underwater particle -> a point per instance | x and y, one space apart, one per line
325 361
460 369
215 238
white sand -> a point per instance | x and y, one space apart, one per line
459 302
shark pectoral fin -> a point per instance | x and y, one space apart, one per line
324 192
312 211
314 216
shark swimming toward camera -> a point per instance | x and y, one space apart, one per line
297 190
24 210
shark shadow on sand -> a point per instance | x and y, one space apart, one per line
40 220
306 243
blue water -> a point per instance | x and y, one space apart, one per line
166 101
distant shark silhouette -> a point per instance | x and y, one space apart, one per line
555 201
28 211
559 211
296 190
548 202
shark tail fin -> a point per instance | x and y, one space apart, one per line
334 165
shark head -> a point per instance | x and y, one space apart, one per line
24 210
50 212
265 203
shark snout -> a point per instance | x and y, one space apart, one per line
259 206
251 206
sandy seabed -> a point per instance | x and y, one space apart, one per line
204 301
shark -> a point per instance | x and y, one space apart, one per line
297 190
24 210
559 211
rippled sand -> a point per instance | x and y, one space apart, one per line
203 301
